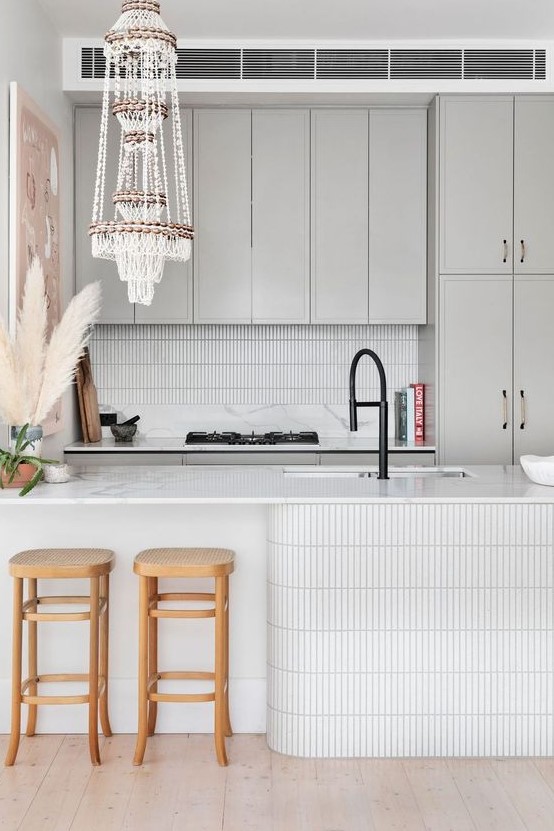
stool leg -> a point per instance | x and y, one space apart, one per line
142 673
33 662
16 670
219 727
152 655
93 672
228 728
104 653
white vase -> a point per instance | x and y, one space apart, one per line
33 435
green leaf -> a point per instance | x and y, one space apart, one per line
21 438
30 485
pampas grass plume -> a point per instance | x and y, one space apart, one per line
34 374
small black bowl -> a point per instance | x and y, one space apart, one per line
123 432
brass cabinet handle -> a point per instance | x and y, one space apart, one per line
522 243
505 250
505 409
522 405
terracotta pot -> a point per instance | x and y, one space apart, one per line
23 475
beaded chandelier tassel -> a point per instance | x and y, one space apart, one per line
141 54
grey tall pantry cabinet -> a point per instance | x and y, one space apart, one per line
496 286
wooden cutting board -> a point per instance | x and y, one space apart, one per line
88 400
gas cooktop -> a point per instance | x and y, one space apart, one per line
308 437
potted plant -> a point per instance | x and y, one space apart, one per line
35 370
19 469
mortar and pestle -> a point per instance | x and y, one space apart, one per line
126 430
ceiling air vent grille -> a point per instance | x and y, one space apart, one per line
278 63
425 63
208 63
540 64
491 64
352 63
93 63
343 64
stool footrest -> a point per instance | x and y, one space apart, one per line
34 602
59 677
181 613
180 676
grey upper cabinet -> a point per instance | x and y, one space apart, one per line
475 381
534 185
172 302
476 184
339 259
222 216
280 216
115 305
369 216
533 366
397 216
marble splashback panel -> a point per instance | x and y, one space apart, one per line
183 377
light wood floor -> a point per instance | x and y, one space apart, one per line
180 787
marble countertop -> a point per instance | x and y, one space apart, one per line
276 484
156 444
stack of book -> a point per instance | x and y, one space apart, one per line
409 414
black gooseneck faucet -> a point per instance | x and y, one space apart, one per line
382 404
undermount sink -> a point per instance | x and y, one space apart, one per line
371 472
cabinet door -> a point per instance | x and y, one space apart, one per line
172 301
397 216
115 305
280 216
476 184
222 212
534 185
339 266
533 366
476 370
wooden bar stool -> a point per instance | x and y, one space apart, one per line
193 563
49 564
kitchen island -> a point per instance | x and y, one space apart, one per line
405 617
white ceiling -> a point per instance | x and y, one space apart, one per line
323 19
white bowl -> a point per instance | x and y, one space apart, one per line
539 469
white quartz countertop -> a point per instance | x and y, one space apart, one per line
153 444
275 484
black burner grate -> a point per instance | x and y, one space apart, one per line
306 437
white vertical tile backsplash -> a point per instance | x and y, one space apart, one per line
240 365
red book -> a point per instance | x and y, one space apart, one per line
419 395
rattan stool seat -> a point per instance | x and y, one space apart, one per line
184 562
62 562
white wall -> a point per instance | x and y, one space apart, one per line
31 54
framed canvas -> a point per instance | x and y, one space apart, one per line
34 210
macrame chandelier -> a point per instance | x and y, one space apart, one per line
141 55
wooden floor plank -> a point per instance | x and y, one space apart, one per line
248 785
181 774
19 784
109 789
392 802
201 795
528 791
546 770
484 797
343 797
440 804
295 801
60 792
